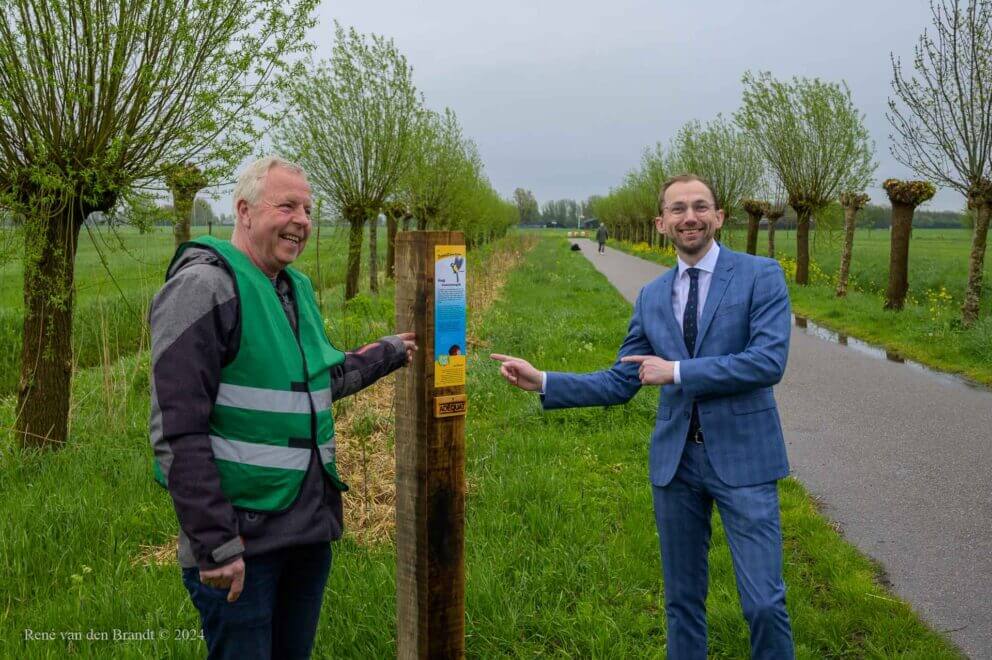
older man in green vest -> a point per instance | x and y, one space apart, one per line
243 377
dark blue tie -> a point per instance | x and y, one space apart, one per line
690 326
689 323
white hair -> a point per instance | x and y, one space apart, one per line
249 186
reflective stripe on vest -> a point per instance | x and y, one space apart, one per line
257 398
272 456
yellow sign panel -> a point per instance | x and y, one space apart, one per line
450 406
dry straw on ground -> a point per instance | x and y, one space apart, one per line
364 424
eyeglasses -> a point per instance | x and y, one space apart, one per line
698 208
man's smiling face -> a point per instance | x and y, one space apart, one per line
689 217
278 225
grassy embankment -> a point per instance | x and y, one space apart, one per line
928 330
562 556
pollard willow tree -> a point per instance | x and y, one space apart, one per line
396 211
351 128
97 99
943 118
905 197
756 209
852 202
721 154
776 209
814 140
184 181
440 161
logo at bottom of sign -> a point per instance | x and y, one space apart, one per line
450 406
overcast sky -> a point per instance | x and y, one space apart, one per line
563 96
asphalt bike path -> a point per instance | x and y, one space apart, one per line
900 459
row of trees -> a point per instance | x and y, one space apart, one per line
564 212
802 143
369 145
102 105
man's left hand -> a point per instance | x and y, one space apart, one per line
653 369
410 343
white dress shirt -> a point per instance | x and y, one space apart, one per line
680 291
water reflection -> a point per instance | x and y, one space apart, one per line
879 353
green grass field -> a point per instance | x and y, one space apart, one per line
938 258
561 552
928 330
118 272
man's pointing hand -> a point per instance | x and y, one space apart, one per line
518 372
653 369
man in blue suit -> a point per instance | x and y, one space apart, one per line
714 334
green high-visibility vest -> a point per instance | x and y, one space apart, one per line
274 401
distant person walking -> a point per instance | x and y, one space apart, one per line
601 235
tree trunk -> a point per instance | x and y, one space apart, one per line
354 257
973 292
46 353
391 226
407 217
182 208
802 247
850 213
902 220
319 284
374 254
753 221
771 238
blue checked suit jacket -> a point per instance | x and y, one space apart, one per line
741 351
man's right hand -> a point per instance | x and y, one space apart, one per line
229 576
519 372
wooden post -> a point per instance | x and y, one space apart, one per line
430 471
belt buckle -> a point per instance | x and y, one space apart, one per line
697 437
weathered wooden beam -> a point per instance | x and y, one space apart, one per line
430 470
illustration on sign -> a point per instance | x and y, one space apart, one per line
449 315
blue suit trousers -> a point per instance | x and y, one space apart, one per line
750 515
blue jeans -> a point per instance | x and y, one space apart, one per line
750 517
276 615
